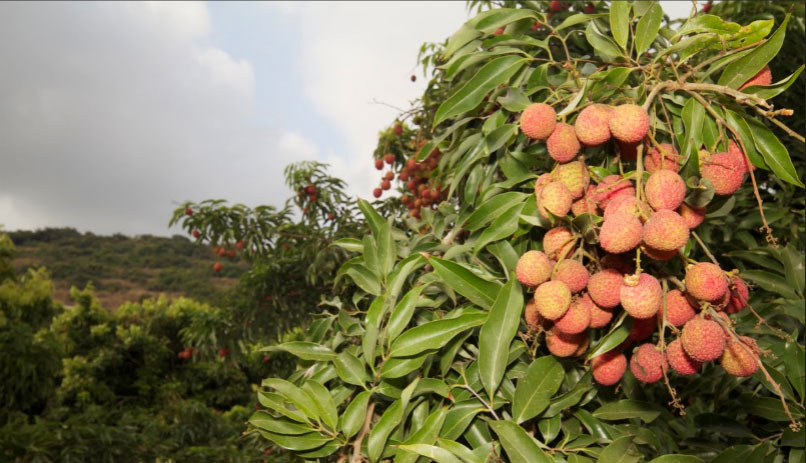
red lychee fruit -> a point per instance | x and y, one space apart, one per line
575 320
573 274
499 31
763 77
664 156
398 128
739 295
377 192
554 198
533 268
538 121
389 175
679 360
552 299
665 190
531 315
217 267
642 328
556 6
643 299
609 368
692 215
611 187
562 144
703 340
604 288
565 345
558 242
600 316
590 9
648 363
389 158
706 282
196 233
629 123
592 126
310 189
188 211
584 205
379 164
386 184
724 172
657 254
626 204
574 175
413 78
736 152
736 360
239 245
678 309
620 232
707 7
666 231
223 352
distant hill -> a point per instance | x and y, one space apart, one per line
124 268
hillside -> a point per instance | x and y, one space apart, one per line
124 268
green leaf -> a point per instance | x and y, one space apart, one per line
740 125
350 369
401 272
647 29
678 459
620 450
391 418
499 137
387 251
459 418
620 22
625 409
534 391
397 367
325 404
301 442
373 320
375 221
293 394
492 208
465 282
401 315
491 20
277 403
618 333
353 418
550 427
575 101
365 279
304 350
263 420
350 244
520 447
424 435
600 42
514 101
328 449
433 335
578 18
740 71
770 91
770 282
431 452
464 453
497 333
774 152
502 227
459 39
769 408
491 75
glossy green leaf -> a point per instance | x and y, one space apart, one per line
373 320
625 409
677 459
293 394
620 22
770 91
620 450
497 333
375 220
397 367
263 420
491 20
277 403
352 419
774 152
770 282
427 434
578 18
740 71
492 208
647 29
534 391
465 282
364 278
431 452
391 418
504 226
304 350
350 369
549 427
459 418
600 42
769 408
617 334
739 124
325 405
519 446
433 335
499 138
301 442
401 315
350 244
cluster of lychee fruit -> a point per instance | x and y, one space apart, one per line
225 251
310 192
416 176
580 284
186 353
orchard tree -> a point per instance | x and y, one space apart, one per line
594 264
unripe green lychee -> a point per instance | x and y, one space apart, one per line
533 268
538 120
611 187
678 309
665 156
706 282
647 363
724 172
629 123
666 230
573 274
657 254
739 294
679 360
575 320
692 215
592 126
574 175
600 316
762 77
604 288
531 315
620 232
558 242
736 152
562 144
552 299
609 368
736 360
642 299
665 190
554 198
703 340
565 345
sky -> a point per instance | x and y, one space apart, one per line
114 113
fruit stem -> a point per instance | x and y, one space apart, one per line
704 247
364 431
675 402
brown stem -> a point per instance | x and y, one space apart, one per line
675 402
771 118
362 434
704 247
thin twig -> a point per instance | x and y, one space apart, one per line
704 247
364 432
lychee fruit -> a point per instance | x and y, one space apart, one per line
693 216
664 156
584 205
389 158
554 198
762 77
575 320
724 172
642 328
592 126
666 230
643 299
706 282
558 242
552 299
386 184
703 340
590 9
657 254
541 182
562 144
600 316
678 309
736 360
556 6
499 31
648 363
736 152
531 315
611 187
196 233
538 121
629 123
188 211
565 345
583 346
573 274
574 175
604 288
620 232
533 268
628 204
739 294
679 360
217 267
398 128
377 192
609 368
665 190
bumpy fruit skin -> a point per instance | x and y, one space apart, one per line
533 268
575 320
600 316
611 187
629 123
763 77
736 360
736 152
573 274
642 300
625 204
592 126
692 215
678 309
724 172
666 231
604 287
574 175
540 183
565 345
679 360
538 120
647 363
620 232
665 190
554 198
642 328
531 315
703 339
739 294
583 205
706 282
562 144
665 156
557 242
609 368
657 254
552 299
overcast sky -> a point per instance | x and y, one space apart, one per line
113 113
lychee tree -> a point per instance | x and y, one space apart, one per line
593 266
